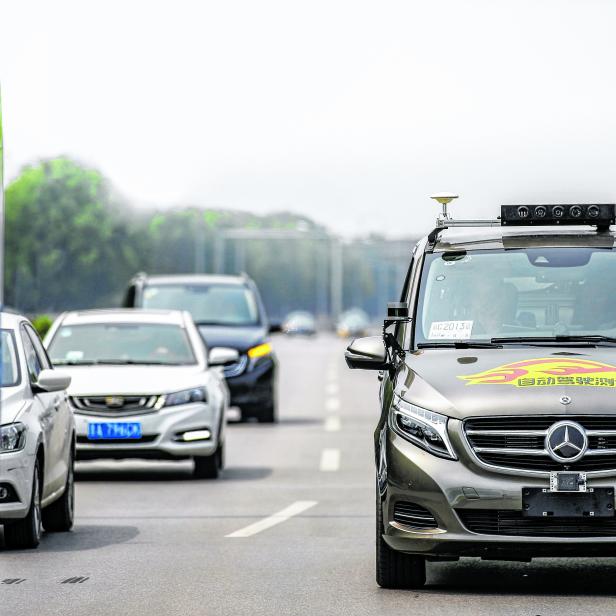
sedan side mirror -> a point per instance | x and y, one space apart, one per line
52 380
221 356
367 354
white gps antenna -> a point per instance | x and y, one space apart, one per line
444 199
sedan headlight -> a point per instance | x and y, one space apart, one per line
197 394
12 437
421 427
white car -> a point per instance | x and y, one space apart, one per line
142 386
37 438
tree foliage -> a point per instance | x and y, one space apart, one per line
72 243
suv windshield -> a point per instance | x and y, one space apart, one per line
521 293
9 368
121 343
209 304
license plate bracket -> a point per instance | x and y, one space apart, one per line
543 503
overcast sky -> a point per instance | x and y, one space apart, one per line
349 112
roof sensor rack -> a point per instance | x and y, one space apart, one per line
600 214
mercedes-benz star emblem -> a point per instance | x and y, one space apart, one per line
565 400
566 441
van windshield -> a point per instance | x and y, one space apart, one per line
520 293
209 304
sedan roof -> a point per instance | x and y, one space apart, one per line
126 315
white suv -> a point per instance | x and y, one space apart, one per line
37 438
142 386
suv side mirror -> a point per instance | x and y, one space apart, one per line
275 328
52 380
367 354
221 356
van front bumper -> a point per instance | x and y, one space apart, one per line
450 490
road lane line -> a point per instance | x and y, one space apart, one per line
332 404
332 424
330 460
332 388
272 520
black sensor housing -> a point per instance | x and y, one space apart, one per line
601 215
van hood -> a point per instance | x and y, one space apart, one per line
240 338
464 383
132 380
12 402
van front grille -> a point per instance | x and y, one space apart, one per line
519 442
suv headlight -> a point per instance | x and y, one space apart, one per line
196 394
421 427
12 437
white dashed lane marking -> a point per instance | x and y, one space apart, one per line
273 520
330 460
332 404
332 424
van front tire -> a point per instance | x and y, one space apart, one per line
395 569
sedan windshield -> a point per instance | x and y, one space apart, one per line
209 304
121 343
9 368
512 295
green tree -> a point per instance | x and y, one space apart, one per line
68 244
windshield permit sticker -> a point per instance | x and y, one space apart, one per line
547 372
451 330
74 356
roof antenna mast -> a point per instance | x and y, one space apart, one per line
444 199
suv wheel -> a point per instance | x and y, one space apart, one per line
396 569
267 414
26 533
209 467
59 516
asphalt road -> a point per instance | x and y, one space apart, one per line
151 540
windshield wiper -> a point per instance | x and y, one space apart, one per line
459 344
134 362
590 339
73 362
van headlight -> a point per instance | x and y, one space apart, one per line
421 427
12 437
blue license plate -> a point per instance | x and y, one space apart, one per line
113 431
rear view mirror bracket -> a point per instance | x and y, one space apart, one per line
397 312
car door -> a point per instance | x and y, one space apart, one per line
48 405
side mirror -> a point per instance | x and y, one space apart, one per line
367 354
221 356
52 380
275 328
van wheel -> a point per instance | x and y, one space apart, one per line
209 467
396 569
59 516
26 534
